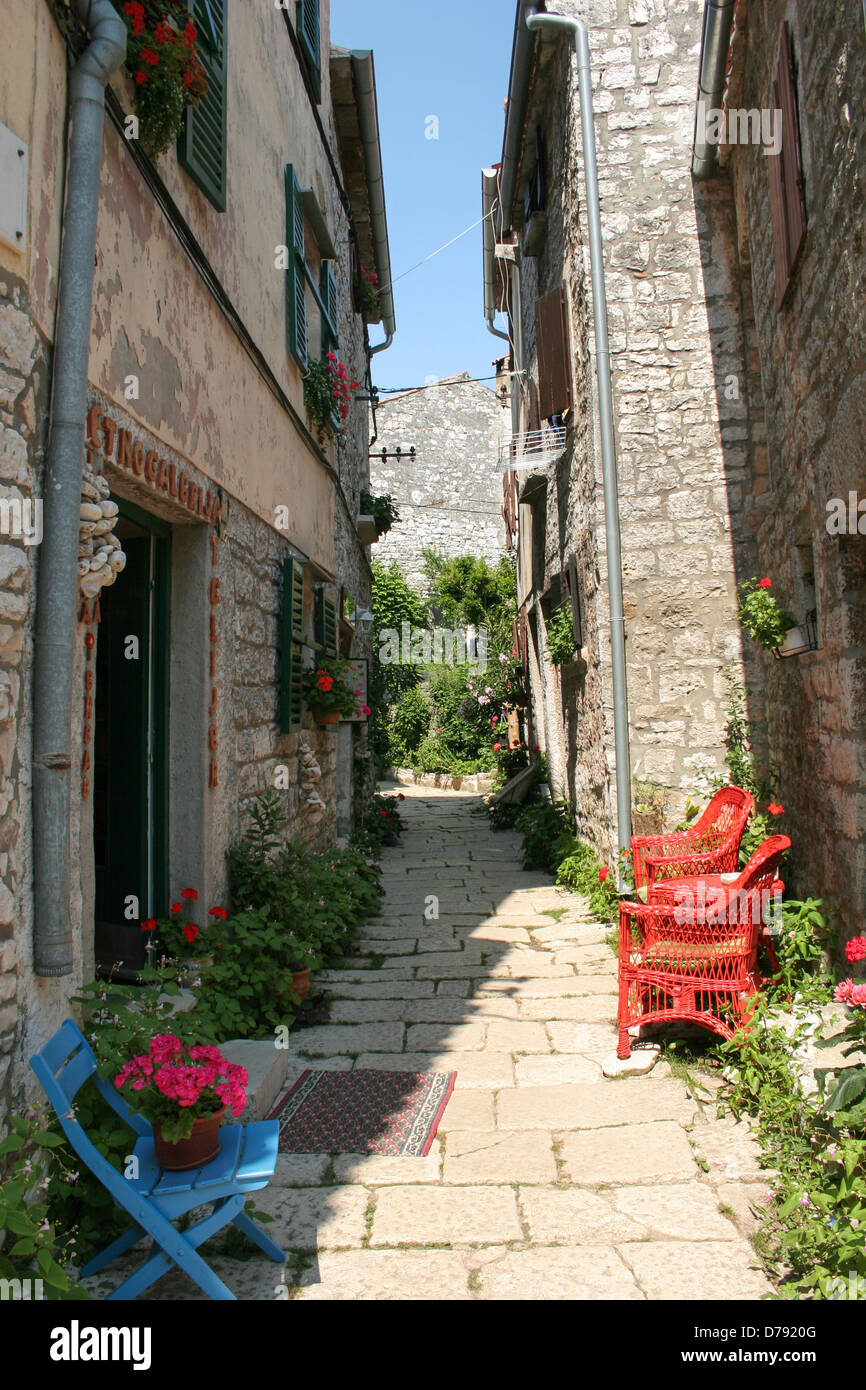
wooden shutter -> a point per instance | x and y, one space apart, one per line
331 301
201 148
308 23
292 651
787 197
296 276
554 354
572 578
327 626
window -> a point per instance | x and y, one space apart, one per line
554 354
572 577
787 198
535 195
292 653
308 22
312 296
201 146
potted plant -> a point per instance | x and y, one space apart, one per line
369 295
327 691
291 957
175 937
327 395
762 616
167 74
381 509
184 1092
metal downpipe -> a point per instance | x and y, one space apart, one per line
368 120
715 42
488 204
56 615
577 28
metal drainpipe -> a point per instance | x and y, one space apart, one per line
488 203
715 43
368 120
577 28
56 616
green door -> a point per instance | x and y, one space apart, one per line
130 820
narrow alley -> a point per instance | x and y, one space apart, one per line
545 1180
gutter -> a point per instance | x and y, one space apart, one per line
580 38
368 121
522 59
57 602
715 44
489 198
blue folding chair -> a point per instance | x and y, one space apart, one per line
155 1197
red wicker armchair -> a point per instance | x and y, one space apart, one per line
710 846
692 952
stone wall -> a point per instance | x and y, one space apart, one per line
813 381
450 496
683 448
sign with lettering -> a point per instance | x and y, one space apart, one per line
123 449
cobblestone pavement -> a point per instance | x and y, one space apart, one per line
545 1180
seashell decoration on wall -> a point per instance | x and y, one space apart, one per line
310 778
100 554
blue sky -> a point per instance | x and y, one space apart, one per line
450 60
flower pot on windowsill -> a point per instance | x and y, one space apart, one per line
198 1148
327 718
368 533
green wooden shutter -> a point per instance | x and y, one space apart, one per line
327 625
296 279
309 29
201 147
292 653
331 300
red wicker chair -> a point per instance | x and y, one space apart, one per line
691 953
710 846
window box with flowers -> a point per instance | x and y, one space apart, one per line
762 616
167 74
368 295
327 395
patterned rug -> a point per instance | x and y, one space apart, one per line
395 1113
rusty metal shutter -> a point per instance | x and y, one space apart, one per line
787 197
554 354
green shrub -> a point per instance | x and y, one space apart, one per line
560 636
33 1246
581 871
410 722
542 824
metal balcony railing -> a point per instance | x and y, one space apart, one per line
533 448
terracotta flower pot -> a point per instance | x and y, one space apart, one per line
200 1147
301 983
333 718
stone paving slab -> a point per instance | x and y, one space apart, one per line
369 1010
458 1037
556 1273
593 1106
556 1069
675 1212
379 1276
498 1156
312 1218
423 1215
695 1271
349 1037
375 1170
638 1153
504 1036
574 1216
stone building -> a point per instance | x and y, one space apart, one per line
449 494
735 418
208 529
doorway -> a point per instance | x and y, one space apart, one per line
130 740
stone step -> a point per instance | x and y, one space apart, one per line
268 1067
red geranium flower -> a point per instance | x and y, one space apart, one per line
176 908
766 584
190 932
150 57
325 683
218 912
855 949
496 747
190 33
775 809
149 925
189 893
603 873
141 77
